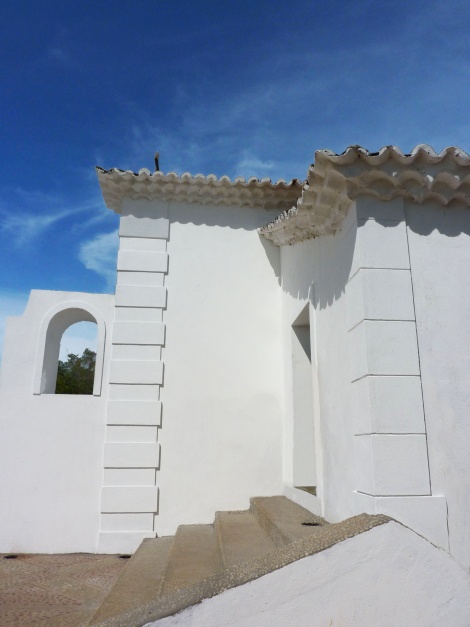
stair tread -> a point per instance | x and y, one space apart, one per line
283 520
241 538
140 582
194 556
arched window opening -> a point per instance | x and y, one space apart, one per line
54 345
77 358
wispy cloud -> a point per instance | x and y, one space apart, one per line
58 49
251 165
59 55
214 140
32 213
24 228
99 254
402 84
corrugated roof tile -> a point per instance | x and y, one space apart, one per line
119 184
337 179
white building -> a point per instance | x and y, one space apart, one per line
328 350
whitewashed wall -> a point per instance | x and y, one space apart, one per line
439 240
221 435
222 392
324 263
370 429
51 446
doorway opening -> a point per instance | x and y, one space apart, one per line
304 466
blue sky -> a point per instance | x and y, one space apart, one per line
237 88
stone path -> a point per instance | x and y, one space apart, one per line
54 590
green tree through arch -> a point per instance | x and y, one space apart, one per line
76 375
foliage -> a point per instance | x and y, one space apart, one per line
76 375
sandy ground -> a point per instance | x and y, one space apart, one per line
54 590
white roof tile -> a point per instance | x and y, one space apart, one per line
119 184
337 179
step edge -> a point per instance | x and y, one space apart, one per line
255 501
218 538
280 536
274 532
240 574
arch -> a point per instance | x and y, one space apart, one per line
53 325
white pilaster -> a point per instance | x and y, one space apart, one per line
129 499
387 407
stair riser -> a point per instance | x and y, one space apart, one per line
140 582
240 538
194 556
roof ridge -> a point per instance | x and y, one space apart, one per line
420 151
263 193
187 176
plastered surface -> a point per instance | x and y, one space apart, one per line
51 447
222 391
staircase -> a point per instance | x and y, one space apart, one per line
168 574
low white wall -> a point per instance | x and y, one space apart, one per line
387 576
222 391
51 446
439 241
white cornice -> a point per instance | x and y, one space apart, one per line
119 184
336 180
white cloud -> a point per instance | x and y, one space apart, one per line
397 89
11 304
58 49
59 55
99 254
250 165
209 142
24 227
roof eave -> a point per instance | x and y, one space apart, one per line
336 180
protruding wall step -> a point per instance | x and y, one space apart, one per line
283 520
140 582
193 557
240 538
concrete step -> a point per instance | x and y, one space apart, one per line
194 556
140 582
190 594
283 520
240 538
169 574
